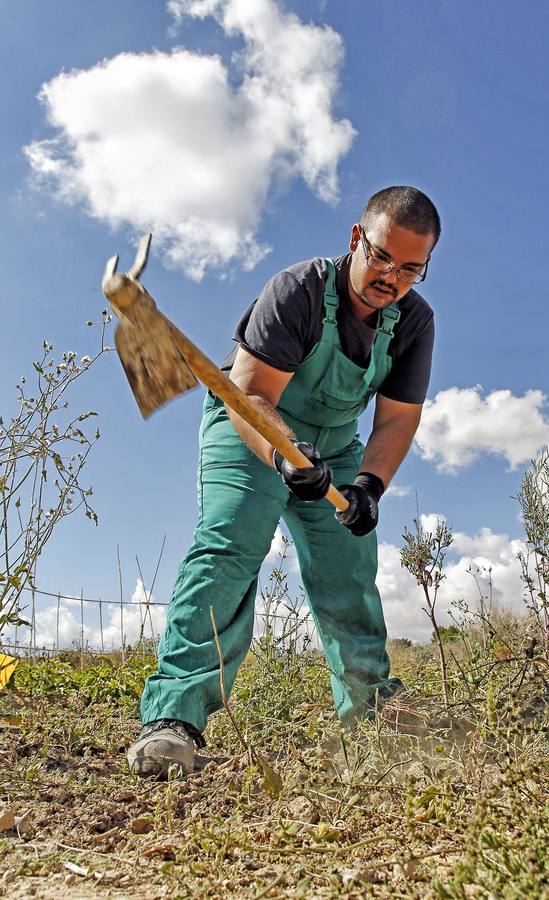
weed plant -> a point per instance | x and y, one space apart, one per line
455 808
43 451
442 797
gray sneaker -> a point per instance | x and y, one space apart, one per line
160 746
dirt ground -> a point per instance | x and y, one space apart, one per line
90 829
431 811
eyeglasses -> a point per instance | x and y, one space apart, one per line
404 273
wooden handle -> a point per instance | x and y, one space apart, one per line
209 374
127 295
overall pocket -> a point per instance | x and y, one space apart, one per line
345 385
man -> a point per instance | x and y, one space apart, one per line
322 338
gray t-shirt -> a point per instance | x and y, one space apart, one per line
285 322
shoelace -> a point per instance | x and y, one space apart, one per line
182 728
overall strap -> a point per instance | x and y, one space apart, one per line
331 300
389 318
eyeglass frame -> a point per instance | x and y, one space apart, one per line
390 266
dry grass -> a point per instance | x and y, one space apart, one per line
448 804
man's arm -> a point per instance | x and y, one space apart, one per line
263 384
395 424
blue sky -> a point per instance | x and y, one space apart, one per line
240 166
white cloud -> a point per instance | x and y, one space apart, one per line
397 490
282 546
401 597
491 557
185 146
137 619
460 424
71 601
481 558
485 563
275 597
403 600
485 543
430 521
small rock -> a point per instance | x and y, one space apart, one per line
77 870
102 825
250 863
9 875
267 873
164 851
23 824
141 825
98 767
303 810
7 819
348 876
124 796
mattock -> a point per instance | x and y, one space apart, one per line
139 263
161 362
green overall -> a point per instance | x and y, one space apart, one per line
241 501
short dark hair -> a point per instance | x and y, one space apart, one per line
407 206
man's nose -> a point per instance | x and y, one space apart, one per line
390 277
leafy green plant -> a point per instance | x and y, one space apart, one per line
103 681
447 633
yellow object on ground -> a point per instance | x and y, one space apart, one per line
7 666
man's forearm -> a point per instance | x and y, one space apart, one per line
250 436
387 446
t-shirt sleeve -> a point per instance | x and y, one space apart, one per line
276 327
408 379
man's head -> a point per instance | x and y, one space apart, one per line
397 231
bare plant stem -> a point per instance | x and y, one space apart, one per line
57 623
81 628
247 747
440 647
101 625
423 556
121 604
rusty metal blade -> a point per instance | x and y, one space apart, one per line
152 362
154 366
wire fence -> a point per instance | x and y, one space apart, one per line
103 626
94 638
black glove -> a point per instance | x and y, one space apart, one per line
311 483
363 495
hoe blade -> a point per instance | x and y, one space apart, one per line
154 366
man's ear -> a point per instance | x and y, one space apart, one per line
355 237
